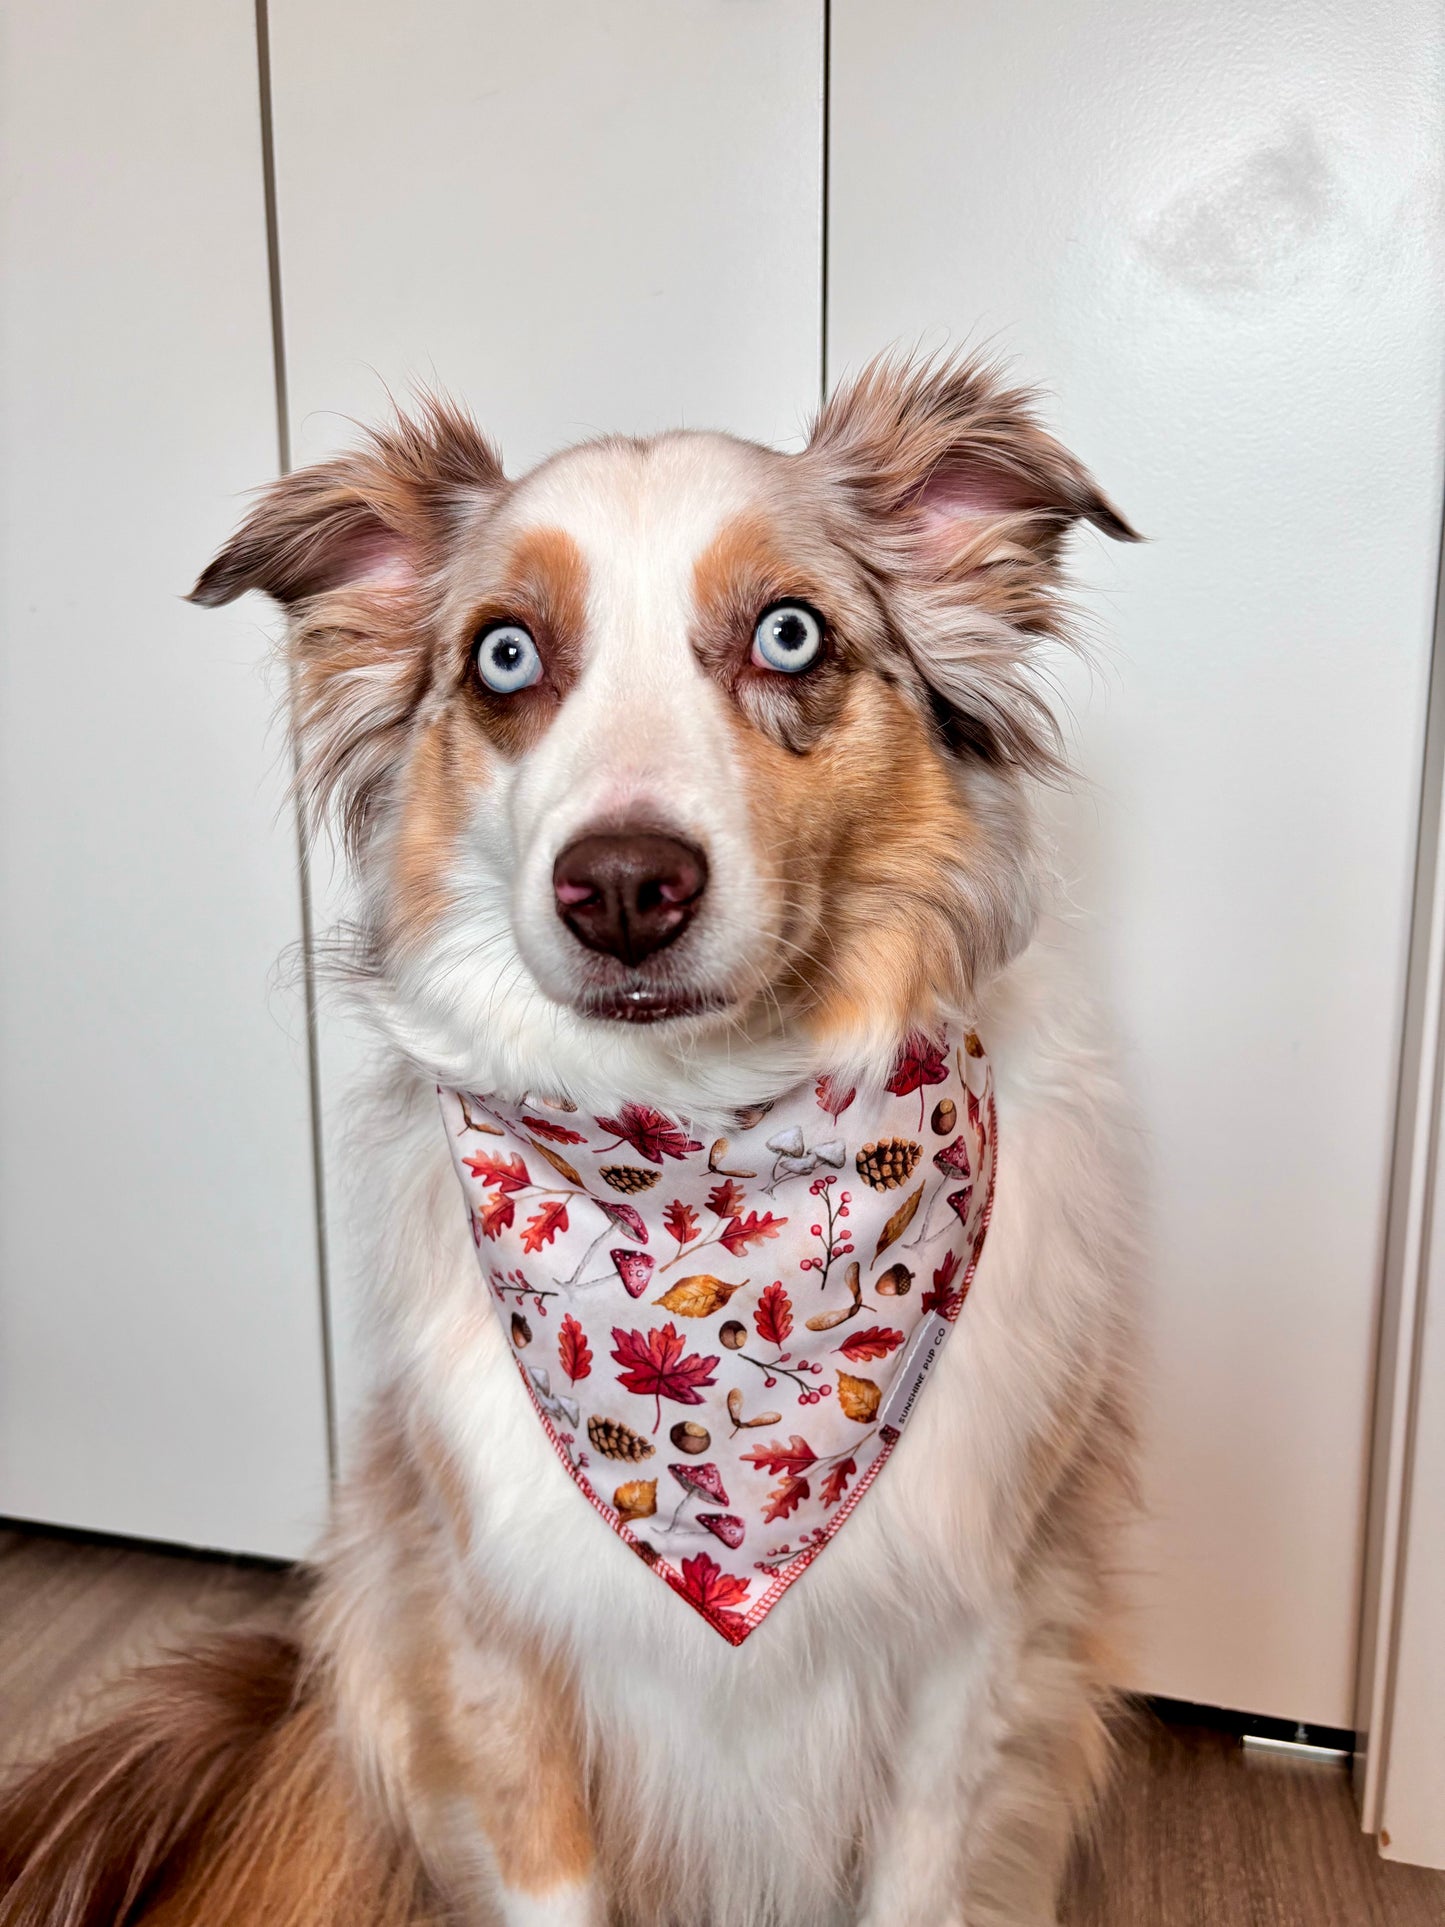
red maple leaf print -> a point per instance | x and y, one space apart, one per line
796 1456
543 1227
681 1221
785 1497
657 1366
751 1230
833 1099
774 1316
553 1133
510 1173
920 1062
836 1483
877 1342
496 1213
943 1301
652 1134
715 1593
573 1349
725 1198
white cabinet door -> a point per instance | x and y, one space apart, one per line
160 1357
1213 230
576 215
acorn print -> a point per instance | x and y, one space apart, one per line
521 1330
688 1436
945 1117
733 1335
635 1499
888 1163
614 1440
896 1282
629 1179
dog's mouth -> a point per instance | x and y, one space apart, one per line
651 1004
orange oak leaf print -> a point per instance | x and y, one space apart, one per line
543 1227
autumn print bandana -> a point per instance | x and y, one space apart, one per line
724 1338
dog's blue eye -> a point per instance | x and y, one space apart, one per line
788 638
507 658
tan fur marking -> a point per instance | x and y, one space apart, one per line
447 769
744 569
543 584
445 1478
489 1733
741 570
866 830
501 1735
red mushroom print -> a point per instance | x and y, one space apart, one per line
697 1482
625 1218
725 1526
952 1160
701 1481
961 1200
634 1268
620 1217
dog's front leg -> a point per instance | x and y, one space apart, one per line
947 1753
499 1805
1001 1748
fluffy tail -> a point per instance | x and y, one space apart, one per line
214 1798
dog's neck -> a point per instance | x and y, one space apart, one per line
704 1071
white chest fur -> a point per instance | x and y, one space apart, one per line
775 1780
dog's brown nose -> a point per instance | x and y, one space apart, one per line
629 893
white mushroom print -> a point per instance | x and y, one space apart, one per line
794 1159
555 1407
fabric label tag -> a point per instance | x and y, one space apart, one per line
916 1363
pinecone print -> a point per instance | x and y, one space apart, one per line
629 1179
888 1163
614 1440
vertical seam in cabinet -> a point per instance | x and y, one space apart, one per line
1399 1352
283 458
824 210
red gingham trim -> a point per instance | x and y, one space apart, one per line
795 1568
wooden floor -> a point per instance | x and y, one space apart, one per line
1195 1833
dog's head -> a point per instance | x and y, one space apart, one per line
681 733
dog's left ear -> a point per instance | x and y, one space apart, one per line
945 450
959 501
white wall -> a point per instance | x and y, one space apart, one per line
1213 230
160 1357
575 218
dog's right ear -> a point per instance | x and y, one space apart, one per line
355 550
381 515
